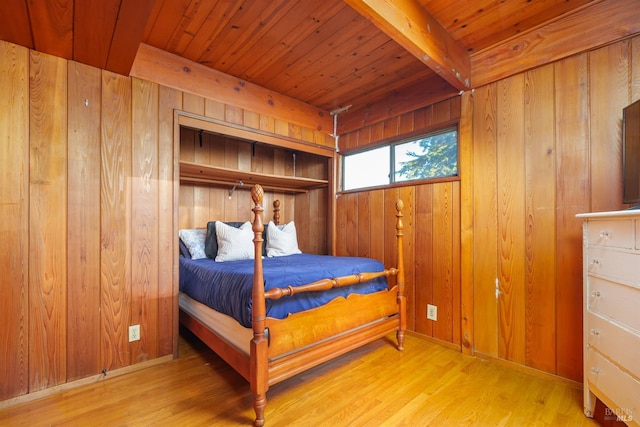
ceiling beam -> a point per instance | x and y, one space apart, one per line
170 70
589 27
128 34
406 22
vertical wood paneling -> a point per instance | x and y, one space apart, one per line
390 197
89 213
467 179
302 221
485 250
200 204
186 197
377 223
425 249
115 204
364 224
14 227
144 219
456 260
511 225
569 146
635 70
350 233
608 83
213 109
217 196
168 180
201 194
537 143
341 225
193 103
407 195
47 221
540 169
424 258
443 267
231 161
572 163
36 329
83 243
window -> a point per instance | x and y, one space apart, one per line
425 157
367 168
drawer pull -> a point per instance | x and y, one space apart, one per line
595 332
595 371
595 262
595 294
606 234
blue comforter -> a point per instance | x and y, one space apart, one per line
226 286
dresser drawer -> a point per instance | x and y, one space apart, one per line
614 265
613 233
618 344
615 301
616 385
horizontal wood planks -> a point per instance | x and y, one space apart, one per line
436 386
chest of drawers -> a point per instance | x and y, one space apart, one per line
611 258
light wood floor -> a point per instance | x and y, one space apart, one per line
377 385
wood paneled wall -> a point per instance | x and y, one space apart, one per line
536 149
546 146
200 204
89 212
431 219
89 216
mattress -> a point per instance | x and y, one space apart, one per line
227 286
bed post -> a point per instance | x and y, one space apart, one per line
402 301
258 370
276 212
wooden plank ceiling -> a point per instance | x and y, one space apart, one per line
367 58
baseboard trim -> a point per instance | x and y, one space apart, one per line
443 343
502 362
29 397
528 370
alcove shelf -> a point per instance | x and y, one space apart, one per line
197 173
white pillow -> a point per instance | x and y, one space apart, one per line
234 243
193 239
282 240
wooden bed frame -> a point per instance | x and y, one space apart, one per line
282 348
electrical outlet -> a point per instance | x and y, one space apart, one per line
432 312
134 333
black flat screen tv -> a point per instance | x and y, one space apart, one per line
631 154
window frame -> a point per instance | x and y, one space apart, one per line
390 144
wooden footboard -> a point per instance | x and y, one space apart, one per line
283 348
328 321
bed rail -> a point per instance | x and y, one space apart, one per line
325 284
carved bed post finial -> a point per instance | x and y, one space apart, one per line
257 193
402 301
258 372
